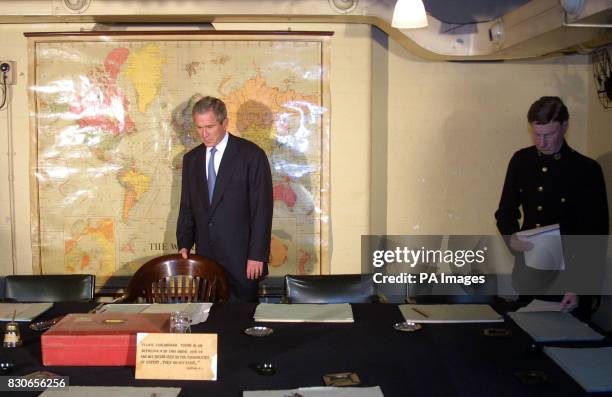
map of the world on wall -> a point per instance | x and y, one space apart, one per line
112 120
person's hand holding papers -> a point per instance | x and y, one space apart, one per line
569 302
542 247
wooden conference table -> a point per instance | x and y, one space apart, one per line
439 360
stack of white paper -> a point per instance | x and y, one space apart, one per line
547 251
537 305
319 392
458 313
23 311
198 310
554 327
299 312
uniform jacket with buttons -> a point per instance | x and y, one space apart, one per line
566 188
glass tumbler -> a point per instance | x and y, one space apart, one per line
180 323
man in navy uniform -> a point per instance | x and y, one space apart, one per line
554 184
226 201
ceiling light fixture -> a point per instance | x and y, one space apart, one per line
343 6
409 14
497 33
572 7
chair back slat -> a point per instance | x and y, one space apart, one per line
210 290
185 286
174 293
200 285
162 285
150 293
193 282
172 279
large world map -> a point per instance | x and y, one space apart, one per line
113 120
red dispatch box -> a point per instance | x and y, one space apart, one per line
99 338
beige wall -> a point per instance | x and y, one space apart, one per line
453 128
379 132
447 131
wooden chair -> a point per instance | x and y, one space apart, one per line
172 279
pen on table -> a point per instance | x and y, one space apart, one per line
420 312
98 307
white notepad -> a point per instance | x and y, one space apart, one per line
24 311
319 392
300 312
458 313
198 310
589 367
554 327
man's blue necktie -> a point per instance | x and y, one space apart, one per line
212 176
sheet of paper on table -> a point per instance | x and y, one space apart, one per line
112 391
458 313
554 327
304 312
547 251
589 367
24 311
537 305
199 310
319 392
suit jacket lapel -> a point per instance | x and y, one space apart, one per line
200 176
226 169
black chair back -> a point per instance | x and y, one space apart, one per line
338 288
50 288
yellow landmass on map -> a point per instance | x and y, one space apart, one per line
278 252
136 185
92 248
144 69
252 108
176 156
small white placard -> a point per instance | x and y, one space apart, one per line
176 356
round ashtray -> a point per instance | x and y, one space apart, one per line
407 326
265 369
258 331
5 368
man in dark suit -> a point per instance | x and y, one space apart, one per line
226 201
553 184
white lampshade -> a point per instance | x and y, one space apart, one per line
409 14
